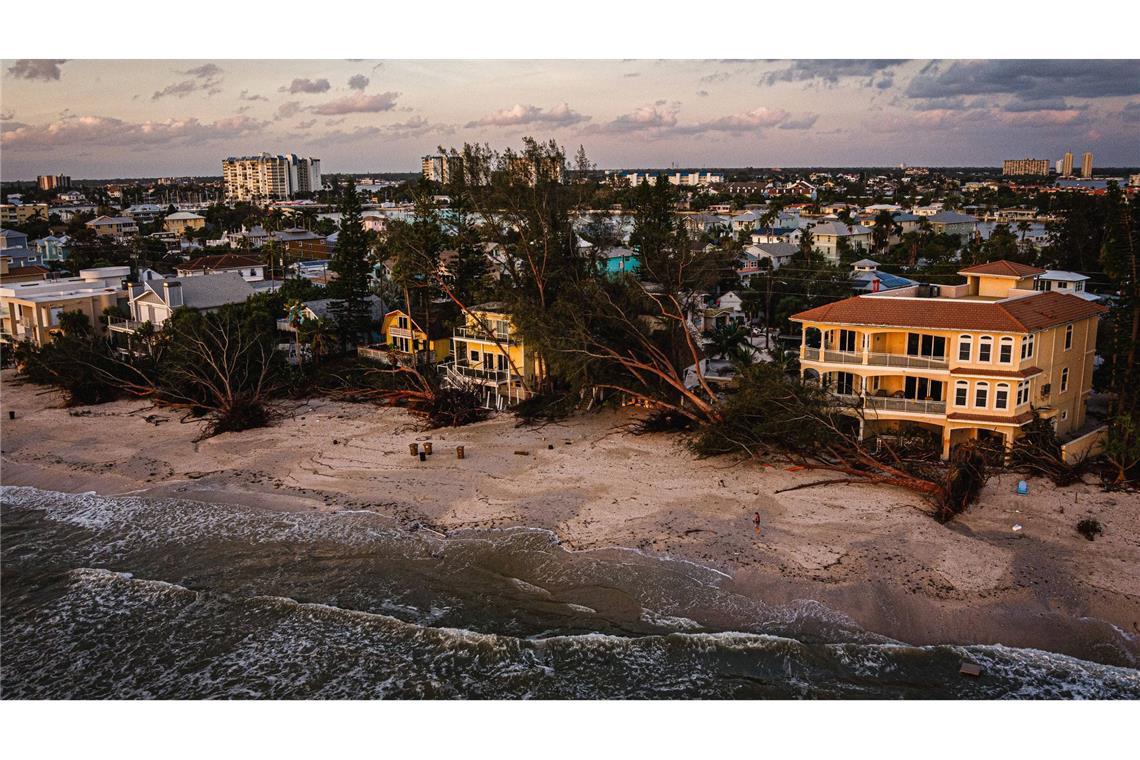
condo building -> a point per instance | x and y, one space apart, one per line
1025 167
264 178
1086 165
972 361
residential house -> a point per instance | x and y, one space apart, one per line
723 311
1066 282
29 311
866 278
615 261
144 213
183 221
701 223
409 341
320 309
52 247
487 350
118 227
251 268
298 243
774 254
13 274
155 300
827 234
954 223
970 361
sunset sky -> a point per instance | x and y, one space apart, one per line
115 118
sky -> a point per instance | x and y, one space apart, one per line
124 118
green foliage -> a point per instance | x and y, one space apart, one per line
350 310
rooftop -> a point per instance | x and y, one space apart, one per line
1002 268
222 261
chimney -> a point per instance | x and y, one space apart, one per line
172 293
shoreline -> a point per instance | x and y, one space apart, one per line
868 552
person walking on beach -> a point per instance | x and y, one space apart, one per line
756 522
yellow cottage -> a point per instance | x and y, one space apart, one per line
411 343
486 349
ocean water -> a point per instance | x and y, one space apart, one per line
129 597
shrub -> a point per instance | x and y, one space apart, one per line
1089 528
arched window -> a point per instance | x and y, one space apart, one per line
1001 396
985 349
961 393
1068 336
965 348
981 395
1005 350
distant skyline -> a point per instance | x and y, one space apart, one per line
116 118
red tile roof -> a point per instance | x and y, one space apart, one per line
985 372
1002 268
223 261
1021 315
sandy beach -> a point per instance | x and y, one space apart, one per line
873 553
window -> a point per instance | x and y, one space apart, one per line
961 393
1027 346
1064 379
1001 396
1005 351
985 348
921 389
965 348
982 395
846 340
925 345
1022 392
474 357
502 362
1064 414
403 323
844 383
1068 336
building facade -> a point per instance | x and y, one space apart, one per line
264 178
487 351
971 361
1024 167
1086 165
53 181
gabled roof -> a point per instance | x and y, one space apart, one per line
207 291
1019 315
839 228
111 220
1058 275
183 215
221 261
1002 268
320 307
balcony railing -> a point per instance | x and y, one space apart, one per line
914 406
499 376
119 324
477 333
874 359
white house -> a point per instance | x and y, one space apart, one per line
827 234
251 268
1072 283
155 300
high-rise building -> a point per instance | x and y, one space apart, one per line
1067 164
1060 166
438 168
53 181
1022 167
270 178
1086 165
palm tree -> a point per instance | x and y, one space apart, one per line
724 340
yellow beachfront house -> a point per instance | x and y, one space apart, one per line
970 361
413 344
487 349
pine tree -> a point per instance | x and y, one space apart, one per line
351 308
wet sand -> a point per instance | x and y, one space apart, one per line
873 553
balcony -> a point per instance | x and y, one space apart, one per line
479 373
874 359
118 324
485 335
888 404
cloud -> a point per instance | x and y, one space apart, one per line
205 78
1046 104
359 103
703 93
306 86
288 109
1131 113
749 121
7 114
1028 79
416 126
102 131
646 118
827 71
718 76
247 95
205 71
560 115
806 121
358 81
306 124
44 69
